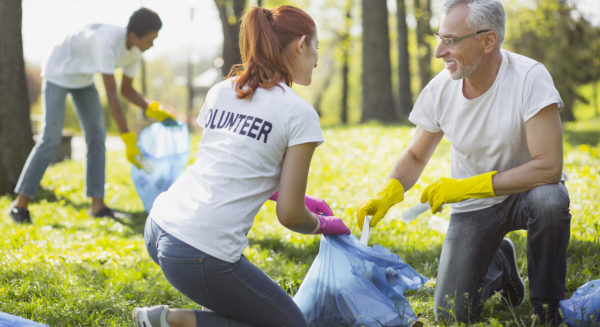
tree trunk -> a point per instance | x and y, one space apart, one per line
378 102
423 16
345 62
405 96
230 12
15 126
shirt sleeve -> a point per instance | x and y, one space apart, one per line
305 125
132 69
539 92
423 113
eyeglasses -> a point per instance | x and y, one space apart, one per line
450 41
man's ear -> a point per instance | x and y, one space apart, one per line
490 41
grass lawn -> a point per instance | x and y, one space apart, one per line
70 269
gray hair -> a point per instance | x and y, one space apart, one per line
483 15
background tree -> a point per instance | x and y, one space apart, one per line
345 47
230 12
404 93
422 11
378 102
15 126
565 42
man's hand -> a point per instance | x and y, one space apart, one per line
153 111
131 149
451 190
378 206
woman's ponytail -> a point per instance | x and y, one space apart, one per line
264 34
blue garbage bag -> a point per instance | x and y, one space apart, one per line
8 320
352 284
166 149
583 308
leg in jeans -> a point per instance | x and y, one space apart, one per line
470 245
91 118
239 294
548 224
544 212
53 119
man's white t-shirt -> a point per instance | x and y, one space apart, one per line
488 132
97 48
212 205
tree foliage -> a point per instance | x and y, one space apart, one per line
555 34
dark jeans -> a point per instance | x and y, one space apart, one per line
239 294
470 268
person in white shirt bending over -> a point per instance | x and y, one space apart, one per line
500 112
259 136
70 68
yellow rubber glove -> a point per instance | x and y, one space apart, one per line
131 149
450 190
378 206
153 111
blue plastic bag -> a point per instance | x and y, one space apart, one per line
352 284
583 308
8 320
166 151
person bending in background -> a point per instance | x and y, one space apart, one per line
70 69
258 136
500 112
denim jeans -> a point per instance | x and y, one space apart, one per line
91 118
239 294
470 268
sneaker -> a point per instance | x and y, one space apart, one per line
514 288
19 215
155 316
104 212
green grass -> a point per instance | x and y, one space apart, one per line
69 269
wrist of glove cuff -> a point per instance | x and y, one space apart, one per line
330 225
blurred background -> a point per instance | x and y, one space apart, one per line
375 55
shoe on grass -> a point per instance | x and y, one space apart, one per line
104 212
514 288
19 215
155 316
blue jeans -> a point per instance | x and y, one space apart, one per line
239 294
91 118
470 268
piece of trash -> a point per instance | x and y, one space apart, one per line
438 223
147 165
364 235
415 211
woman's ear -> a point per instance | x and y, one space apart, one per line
300 44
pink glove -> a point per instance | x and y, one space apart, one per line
330 225
314 204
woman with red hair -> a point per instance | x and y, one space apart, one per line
259 136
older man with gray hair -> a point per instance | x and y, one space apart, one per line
500 112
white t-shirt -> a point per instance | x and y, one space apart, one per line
212 205
97 48
487 133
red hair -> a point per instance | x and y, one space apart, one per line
264 34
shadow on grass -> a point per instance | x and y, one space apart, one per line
304 252
135 220
589 137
